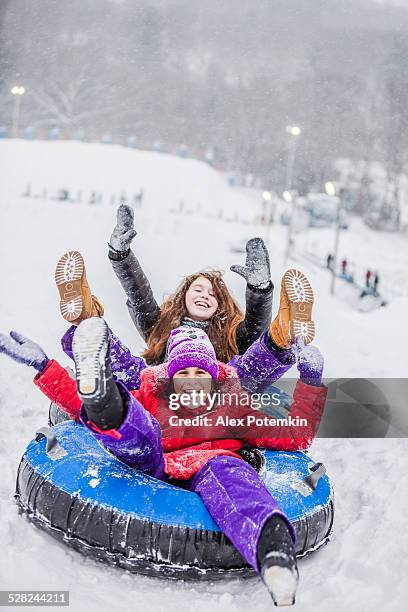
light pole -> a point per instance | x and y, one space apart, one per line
330 188
266 213
289 197
294 132
17 92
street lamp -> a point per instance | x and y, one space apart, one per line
290 197
17 91
294 131
330 189
266 198
287 196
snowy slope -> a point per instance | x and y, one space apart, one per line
365 565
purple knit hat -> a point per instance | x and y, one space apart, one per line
190 347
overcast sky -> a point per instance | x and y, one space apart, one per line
403 3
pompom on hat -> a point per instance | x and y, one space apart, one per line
190 347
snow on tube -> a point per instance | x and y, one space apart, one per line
70 486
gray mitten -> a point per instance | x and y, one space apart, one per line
124 231
23 350
257 269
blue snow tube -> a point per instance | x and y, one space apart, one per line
69 485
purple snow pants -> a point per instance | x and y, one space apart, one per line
231 489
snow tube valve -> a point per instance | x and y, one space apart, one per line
317 471
53 449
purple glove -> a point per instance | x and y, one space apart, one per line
310 362
23 350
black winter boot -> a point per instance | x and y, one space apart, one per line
98 391
277 561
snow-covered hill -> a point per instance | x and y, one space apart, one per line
365 565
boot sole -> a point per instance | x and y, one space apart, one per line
299 294
68 277
282 583
90 346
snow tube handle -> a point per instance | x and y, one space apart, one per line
317 471
53 449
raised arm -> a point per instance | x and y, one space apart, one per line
262 364
141 303
53 380
303 421
307 407
259 294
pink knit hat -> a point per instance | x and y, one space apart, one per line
190 347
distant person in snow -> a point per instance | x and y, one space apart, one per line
329 261
368 279
376 282
138 199
344 267
63 195
93 198
136 426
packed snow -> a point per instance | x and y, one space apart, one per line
188 219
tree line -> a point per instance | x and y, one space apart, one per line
228 75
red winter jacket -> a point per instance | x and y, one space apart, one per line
187 449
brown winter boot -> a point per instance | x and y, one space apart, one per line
76 301
294 317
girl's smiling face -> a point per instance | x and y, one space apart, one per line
192 379
201 302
